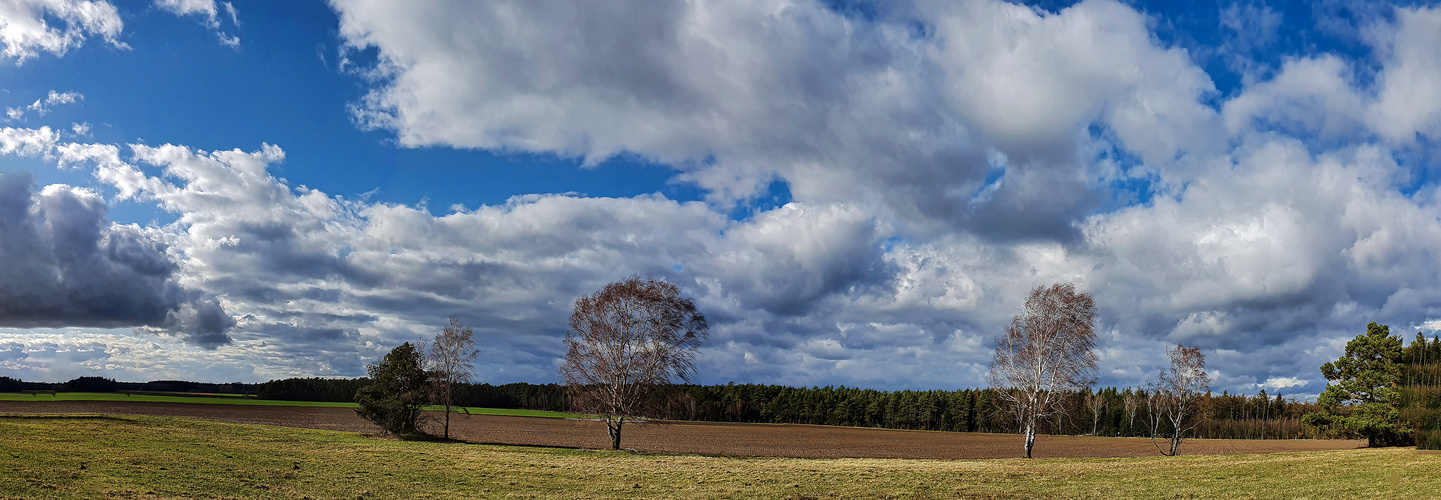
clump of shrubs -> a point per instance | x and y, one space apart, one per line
1428 440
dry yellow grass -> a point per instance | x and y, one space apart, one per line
156 457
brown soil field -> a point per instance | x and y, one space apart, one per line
707 438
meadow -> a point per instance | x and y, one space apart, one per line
86 456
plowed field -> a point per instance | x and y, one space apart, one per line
770 440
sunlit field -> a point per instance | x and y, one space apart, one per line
159 457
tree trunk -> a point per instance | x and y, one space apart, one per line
1030 438
1175 443
614 433
447 421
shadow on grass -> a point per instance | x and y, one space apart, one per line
428 438
65 416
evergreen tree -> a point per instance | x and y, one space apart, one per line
1364 396
399 387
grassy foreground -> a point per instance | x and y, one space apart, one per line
151 398
159 457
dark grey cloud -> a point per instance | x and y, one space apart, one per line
67 265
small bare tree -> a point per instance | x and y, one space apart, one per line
627 343
1097 404
1176 395
1132 402
1047 352
451 358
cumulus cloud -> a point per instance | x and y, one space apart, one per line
1408 104
68 266
42 106
302 270
1312 96
910 112
27 141
26 30
1278 383
209 13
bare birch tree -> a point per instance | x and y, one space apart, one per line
1048 351
451 356
626 343
1176 395
1132 401
1097 404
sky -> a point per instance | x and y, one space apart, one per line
854 193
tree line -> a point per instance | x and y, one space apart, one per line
1420 391
1121 412
104 384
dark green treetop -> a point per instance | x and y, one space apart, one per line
1363 396
397 391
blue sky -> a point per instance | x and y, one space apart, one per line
855 193
283 85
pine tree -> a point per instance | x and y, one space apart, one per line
399 387
1364 396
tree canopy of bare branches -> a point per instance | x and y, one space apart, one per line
1176 394
626 344
1132 402
1049 350
451 359
1097 404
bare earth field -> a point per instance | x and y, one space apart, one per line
768 440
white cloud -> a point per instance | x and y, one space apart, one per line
1284 382
1408 102
43 105
25 27
1031 80
28 142
208 11
1307 96
205 9
842 109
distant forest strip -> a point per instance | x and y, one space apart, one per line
100 384
968 410
1106 412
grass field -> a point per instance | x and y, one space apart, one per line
159 457
112 396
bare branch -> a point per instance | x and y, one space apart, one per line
1048 350
1176 395
626 343
451 359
